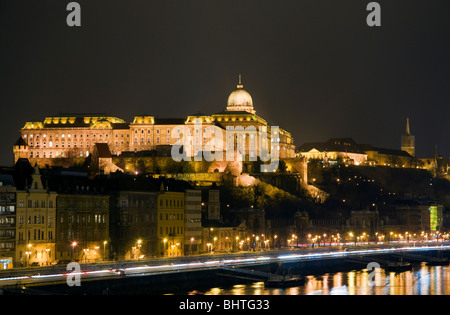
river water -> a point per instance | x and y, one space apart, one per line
421 280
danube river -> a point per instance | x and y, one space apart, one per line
420 280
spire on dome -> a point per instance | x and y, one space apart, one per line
240 85
407 126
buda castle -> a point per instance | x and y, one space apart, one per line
74 136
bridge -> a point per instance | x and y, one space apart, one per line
167 269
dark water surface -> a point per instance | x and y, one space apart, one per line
421 280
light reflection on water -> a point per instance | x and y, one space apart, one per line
421 280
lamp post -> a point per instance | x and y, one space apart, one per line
73 247
104 249
48 254
164 248
190 247
139 245
28 253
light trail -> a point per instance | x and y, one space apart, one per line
208 264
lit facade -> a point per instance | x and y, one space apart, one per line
193 222
171 223
7 221
343 149
73 136
36 223
82 227
348 151
133 224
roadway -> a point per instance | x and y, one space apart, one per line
113 269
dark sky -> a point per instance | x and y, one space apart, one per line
312 67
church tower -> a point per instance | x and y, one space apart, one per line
408 141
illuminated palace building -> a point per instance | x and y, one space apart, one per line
75 135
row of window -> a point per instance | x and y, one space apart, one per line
37 255
169 203
7 233
89 234
79 204
37 219
6 221
31 136
171 216
136 203
38 235
43 204
116 135
83 218
9 208
36 203
171 230
148 131
6 245
36 154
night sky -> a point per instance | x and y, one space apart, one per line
313 68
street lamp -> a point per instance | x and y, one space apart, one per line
164 249
139 245
104 249
48 254
28 253
73 247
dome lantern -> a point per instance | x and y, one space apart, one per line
240 99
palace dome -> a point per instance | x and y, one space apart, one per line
240 100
